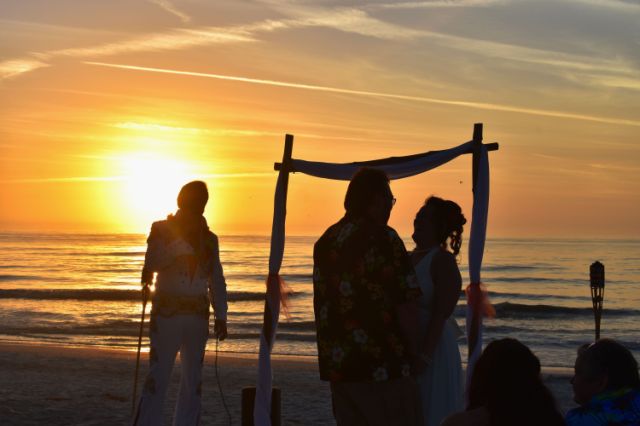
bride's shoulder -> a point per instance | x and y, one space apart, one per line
443 255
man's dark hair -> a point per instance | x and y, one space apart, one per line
606 356
364 185
193 195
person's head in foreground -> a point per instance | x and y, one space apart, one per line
506 382
369 196
603 366
193 197
439 222
606 385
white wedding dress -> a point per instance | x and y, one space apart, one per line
441 384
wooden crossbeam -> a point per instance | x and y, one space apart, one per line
494 146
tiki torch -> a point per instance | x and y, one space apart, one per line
596 272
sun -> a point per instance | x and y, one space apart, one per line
151 185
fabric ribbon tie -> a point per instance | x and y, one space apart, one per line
277 286
478 299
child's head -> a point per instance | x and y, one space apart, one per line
601 366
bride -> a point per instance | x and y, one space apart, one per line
438 236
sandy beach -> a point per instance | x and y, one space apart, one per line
58 385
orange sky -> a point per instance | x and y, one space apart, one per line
108 107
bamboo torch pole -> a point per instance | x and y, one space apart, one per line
596 273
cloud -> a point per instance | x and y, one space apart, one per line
152 127
71 179
620 5
174 40
169 7
346 20
548 58
15 67
615 168
351 21
382 4
84 179
438 4
615 71
468 104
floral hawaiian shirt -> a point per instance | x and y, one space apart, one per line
361 274
617 408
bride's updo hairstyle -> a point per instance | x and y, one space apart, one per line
447 221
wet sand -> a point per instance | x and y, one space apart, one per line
59 385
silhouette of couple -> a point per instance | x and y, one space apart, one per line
386 340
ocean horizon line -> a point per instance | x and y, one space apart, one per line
4 232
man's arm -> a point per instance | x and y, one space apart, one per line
408 320
407 295
218 291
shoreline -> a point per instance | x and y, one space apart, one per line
60 384
222 354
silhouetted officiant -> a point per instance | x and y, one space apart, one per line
185 255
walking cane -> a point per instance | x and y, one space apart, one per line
145 297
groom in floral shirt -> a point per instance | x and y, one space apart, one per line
364 294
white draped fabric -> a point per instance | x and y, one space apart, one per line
262 404
476 252
396 168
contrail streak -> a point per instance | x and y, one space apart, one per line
476 105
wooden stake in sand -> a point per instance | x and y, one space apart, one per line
145 298
596 273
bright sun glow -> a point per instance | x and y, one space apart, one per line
151 184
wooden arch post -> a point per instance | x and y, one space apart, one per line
477 148
476 318
268 327
286 164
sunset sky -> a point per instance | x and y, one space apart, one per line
108 107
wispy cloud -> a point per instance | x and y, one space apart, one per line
548 157
350 20
152 127
607 72
438 4
343 19
548 58
84 179
174 40
615 167
583 69
169 7
71 179
621 5
468 104
15 67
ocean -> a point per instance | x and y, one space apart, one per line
80 289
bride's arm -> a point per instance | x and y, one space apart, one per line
447 284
